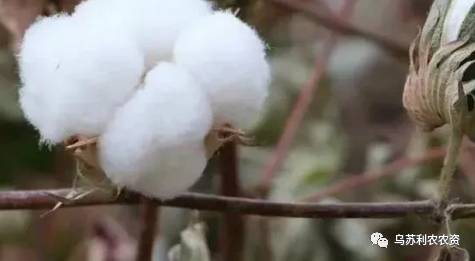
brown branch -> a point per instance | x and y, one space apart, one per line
335 23
42 199
364 179
460 211
301 106
232 229
148 231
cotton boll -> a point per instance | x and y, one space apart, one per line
75 77
228 59
155 24
155 144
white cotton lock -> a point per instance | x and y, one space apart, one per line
227 57
454 19
154 24
155 143
37 92
74 77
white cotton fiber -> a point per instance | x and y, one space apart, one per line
154 145
74 77
37 88
154 24
228 59
454 19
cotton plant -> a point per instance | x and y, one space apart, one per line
440 85
143 91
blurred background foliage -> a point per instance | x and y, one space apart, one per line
355 124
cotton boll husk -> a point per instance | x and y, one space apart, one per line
74 77
228 59
155 24
155 143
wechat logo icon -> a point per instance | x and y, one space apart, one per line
379 240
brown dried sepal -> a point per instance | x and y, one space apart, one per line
85 148
431 93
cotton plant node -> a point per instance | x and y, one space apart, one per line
88 172
142 93
441 82
226 133
73 195
90 178
217 137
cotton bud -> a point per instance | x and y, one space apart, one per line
74 77
154 145
227 57
154 24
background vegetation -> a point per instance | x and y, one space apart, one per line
352 67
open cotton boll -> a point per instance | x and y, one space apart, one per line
154 24
228 59
155 143
75 77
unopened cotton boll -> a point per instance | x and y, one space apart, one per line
154 24
227 57
75 77
155 143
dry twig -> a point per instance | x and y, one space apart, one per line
339 25
364 179
232 229
148 231
42 199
